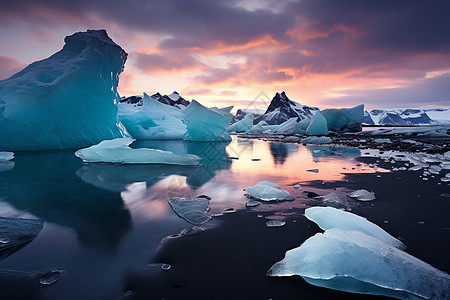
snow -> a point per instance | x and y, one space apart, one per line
362 195
118 151
316 140
318 125
268 191
206 124
6 156
355 262
194 211
153 120
174 96
243 125
67 100
344 119
17 231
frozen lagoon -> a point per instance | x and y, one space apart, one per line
111 227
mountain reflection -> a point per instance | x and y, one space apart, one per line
45 185
281 151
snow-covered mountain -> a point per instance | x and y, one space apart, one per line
406 117
173 99
282 108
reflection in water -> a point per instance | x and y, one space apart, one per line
280 151
45 185
330 151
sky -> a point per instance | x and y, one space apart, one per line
324 53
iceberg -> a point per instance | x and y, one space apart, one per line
15 232
118 151
243 125
330 217
318 125
67 100
288 127
353 261
206 124
344 119
194 211
256 130
300 127
153 120
268 191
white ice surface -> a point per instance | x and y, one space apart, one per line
268 191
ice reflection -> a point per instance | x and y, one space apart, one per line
45 185
281 151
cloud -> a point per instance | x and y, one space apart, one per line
9 66
165 63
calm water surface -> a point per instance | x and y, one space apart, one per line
102 219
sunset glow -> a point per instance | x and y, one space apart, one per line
321 52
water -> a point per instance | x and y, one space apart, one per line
102 220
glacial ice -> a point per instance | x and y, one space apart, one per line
6 156
16 231
383 141
316 140
67 100
288 127
330 217
268 191
243 125
206 124
344 119
355 262
362 195
318 125
256 130
301 126
337 201
194 211
118 151
153 120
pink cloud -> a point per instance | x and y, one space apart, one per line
9 66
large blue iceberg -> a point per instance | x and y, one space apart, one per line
242 125
344 119
67 100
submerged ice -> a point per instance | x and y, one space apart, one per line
16 231
67 100
118 151
357 256
194 211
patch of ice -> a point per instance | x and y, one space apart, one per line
118 151
275 223
362 195
316 140
268 191
383 141
6 156
194 211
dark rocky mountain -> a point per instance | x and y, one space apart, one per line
282 108
397 117
173 99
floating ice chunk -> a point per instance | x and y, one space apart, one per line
434 169
313 170
355 262
243 125
329 217
206 124
447 155
409 141
383 141
16 231
194 211
362 195
153 120
445 179
318 125
344 119
415 168
64 101
316 140
6 156
268 191
275 223
118 151
252 203
297 187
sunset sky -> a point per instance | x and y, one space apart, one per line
325 53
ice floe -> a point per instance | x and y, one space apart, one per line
268 191
118 151
16 231
362 195
193 210
316 140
